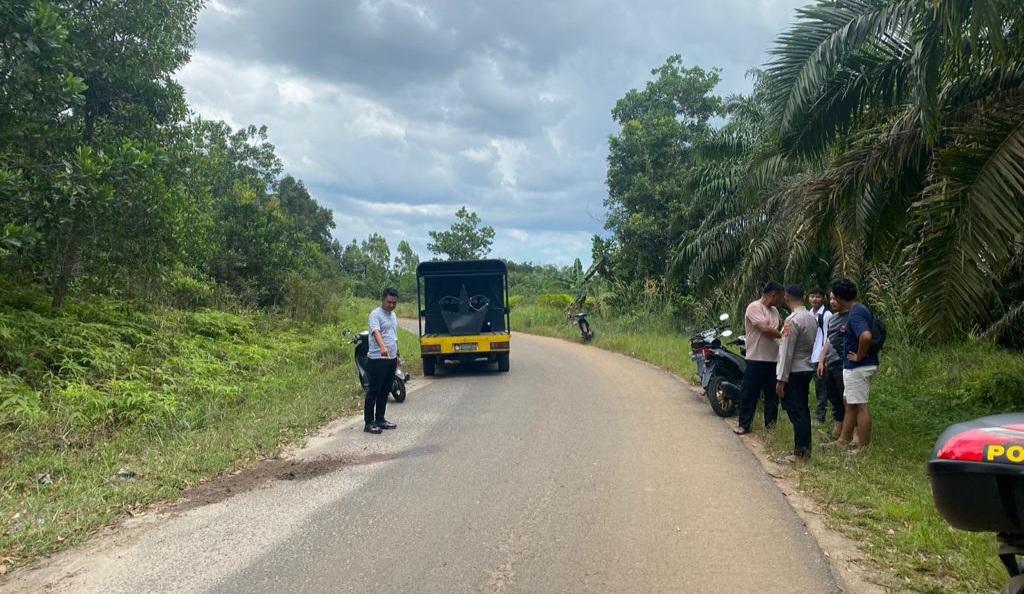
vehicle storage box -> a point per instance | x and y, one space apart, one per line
977 474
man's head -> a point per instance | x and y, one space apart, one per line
845 293
794 297
772 294
817 297
389 299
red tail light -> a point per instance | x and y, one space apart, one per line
707 352
430 348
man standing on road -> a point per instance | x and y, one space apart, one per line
830 365
822 316
382 360
761 325
795 370
860 364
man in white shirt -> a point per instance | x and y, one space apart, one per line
821 315
381 362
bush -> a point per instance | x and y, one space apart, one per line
184 291
556 300
313 299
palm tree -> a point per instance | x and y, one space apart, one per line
917 109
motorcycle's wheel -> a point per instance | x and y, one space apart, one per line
720 402
398 390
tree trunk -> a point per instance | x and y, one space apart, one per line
67 265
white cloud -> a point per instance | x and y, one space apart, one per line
397 112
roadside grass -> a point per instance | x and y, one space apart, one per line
108 407
881 499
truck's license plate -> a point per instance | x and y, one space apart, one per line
468 346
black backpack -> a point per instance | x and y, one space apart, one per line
877 334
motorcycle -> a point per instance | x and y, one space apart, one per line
362 343
585 330
700 341
721 370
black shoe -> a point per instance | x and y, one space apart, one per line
386 424
372 428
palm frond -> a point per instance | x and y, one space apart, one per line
810 53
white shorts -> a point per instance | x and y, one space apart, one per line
857 383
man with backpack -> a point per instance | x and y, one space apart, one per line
861 363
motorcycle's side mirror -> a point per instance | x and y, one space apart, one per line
726 333
723 317
346 332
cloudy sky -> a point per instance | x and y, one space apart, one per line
397 112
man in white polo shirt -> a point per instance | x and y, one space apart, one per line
382 360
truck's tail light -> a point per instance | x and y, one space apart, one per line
499 345
430 348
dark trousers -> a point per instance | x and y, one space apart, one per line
833 381
795 403
758 381
380 376
821 394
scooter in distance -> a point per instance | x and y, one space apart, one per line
585 330
362 342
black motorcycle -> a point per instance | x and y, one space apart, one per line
704 340
362 342
585 330
723 369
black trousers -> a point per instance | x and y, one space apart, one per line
833 382
380 376
758 381
795 403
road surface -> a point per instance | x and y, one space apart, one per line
578 471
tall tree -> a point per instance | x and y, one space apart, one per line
100 107
647 161
464 240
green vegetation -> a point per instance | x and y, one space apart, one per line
883 137
175 397
882 498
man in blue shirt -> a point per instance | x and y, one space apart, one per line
382 360
860 365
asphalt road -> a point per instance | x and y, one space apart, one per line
578 471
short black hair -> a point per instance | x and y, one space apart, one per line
795 291
389 292
817 291
771 287
844 289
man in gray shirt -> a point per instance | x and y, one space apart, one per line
795 370
382 360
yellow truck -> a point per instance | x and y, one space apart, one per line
464 313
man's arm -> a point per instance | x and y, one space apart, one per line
785 364
863 346
863 330
375 333
823 357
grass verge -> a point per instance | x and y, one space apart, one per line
881 499
107 408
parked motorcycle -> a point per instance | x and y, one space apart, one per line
362 342
701 341
720 369
585 330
